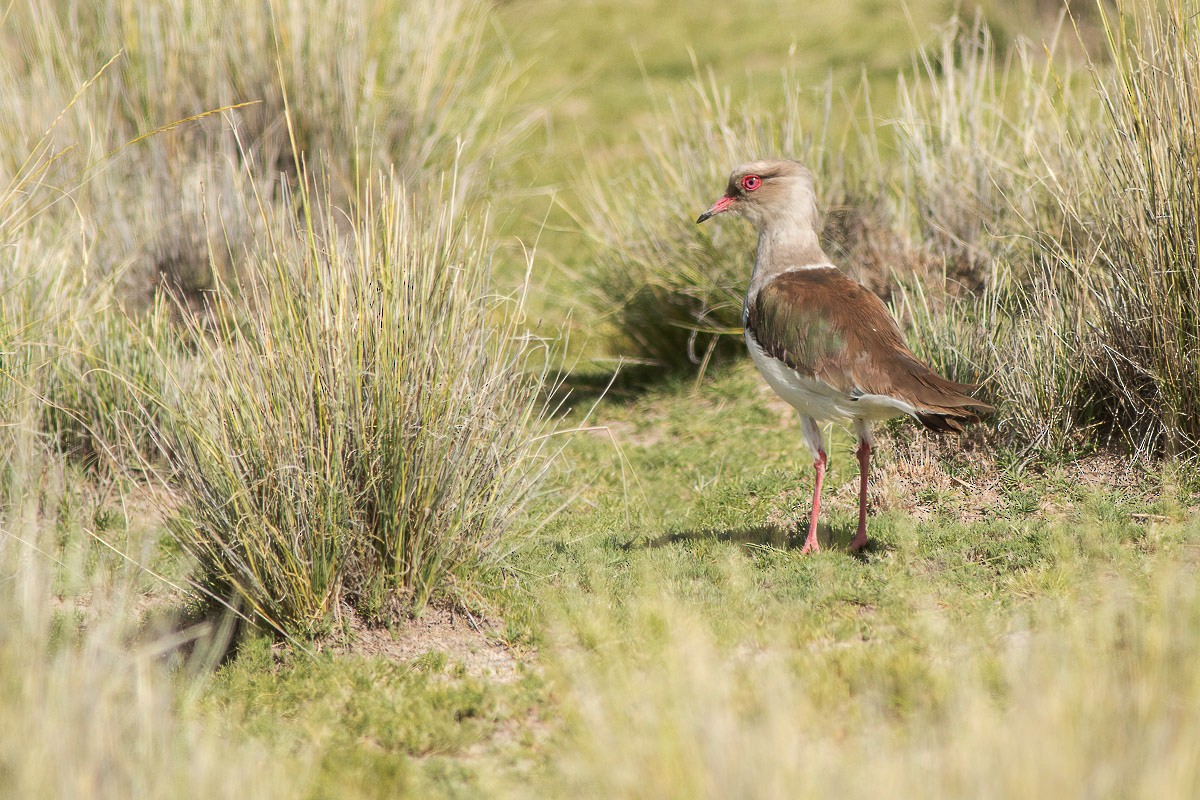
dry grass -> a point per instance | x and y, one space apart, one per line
1085 322
366 428
1097 696
88 706
385 82
96 407
82 713
1138 203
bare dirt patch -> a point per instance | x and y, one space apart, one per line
957 477
923 475
626 433
465 639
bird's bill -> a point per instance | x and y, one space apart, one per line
721 205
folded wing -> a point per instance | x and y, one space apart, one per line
829 327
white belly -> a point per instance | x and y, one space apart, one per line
819 400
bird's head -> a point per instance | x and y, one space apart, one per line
769 193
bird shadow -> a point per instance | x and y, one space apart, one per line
759 535
774 537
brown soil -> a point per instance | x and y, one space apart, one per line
624 433
466 639
923 475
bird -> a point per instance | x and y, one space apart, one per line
824 342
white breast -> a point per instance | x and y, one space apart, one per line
819 400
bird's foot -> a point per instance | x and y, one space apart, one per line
859 542
811 545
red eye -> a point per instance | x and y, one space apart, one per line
751 182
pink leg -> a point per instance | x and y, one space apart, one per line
810 544
864 467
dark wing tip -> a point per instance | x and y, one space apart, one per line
954 421
943 423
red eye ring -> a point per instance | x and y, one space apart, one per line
751 182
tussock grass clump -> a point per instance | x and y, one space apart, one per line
42 296
981 141
394 82
71 359
368 427
1023 344
88 706
975 132
1087 207
104 397
400 81
1136 196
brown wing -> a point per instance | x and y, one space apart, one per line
829 327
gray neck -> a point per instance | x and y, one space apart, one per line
785 245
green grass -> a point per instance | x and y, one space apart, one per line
377 727
1024 624
679 620
366 440
674 620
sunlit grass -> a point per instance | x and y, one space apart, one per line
1136 196
808 702
325 389
366 428
88 707
160 149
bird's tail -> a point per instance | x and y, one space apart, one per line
944 405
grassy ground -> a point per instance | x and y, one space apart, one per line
1020 626
671 577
